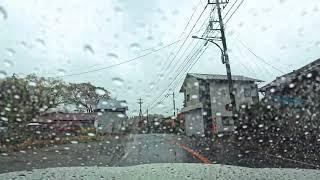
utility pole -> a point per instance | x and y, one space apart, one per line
225 56
174 103
140 104
148 123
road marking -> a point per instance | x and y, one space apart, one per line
195 154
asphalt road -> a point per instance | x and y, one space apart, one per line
155 148
100 153
124 151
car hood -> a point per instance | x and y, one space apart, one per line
164 171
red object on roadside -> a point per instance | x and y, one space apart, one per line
214 125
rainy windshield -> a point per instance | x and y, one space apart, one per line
119 83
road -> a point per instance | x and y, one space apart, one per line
125 151
99 153
155 148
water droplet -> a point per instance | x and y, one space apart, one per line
116 137
3 13
160 105
3 74
40 42
121 115
272 90
10 51
16 96
33 84
291 85
7 63
91 134
135 46
112 55
100 92
117 81
74 142
261 125
244 126
194 96
117 9
309 75
88 49
220 135
66 148
61 72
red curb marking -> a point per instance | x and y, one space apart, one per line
195 154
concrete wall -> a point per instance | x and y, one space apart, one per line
191 91
194 122
110 122
219 93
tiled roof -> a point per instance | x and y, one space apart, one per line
287 78
222 77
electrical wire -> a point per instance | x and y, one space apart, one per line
258 57
234 11
124 62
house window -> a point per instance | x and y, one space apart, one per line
227 121
247 92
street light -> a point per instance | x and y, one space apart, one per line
210 40
225 60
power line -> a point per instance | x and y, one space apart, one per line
258 57
183 65
156 100
189 20
124 62
235 11
176 54
168 66
230 9
192 65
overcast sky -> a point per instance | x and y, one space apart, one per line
60 37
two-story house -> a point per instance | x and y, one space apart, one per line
206 100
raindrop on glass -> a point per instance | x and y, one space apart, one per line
100 92
61 72
33 84
121 115
88 49
3 74
7 63
10 52
91 134
3 13
194 96
112 55
117 81
135 46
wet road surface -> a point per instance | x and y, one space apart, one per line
155 148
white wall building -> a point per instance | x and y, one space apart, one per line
206 97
